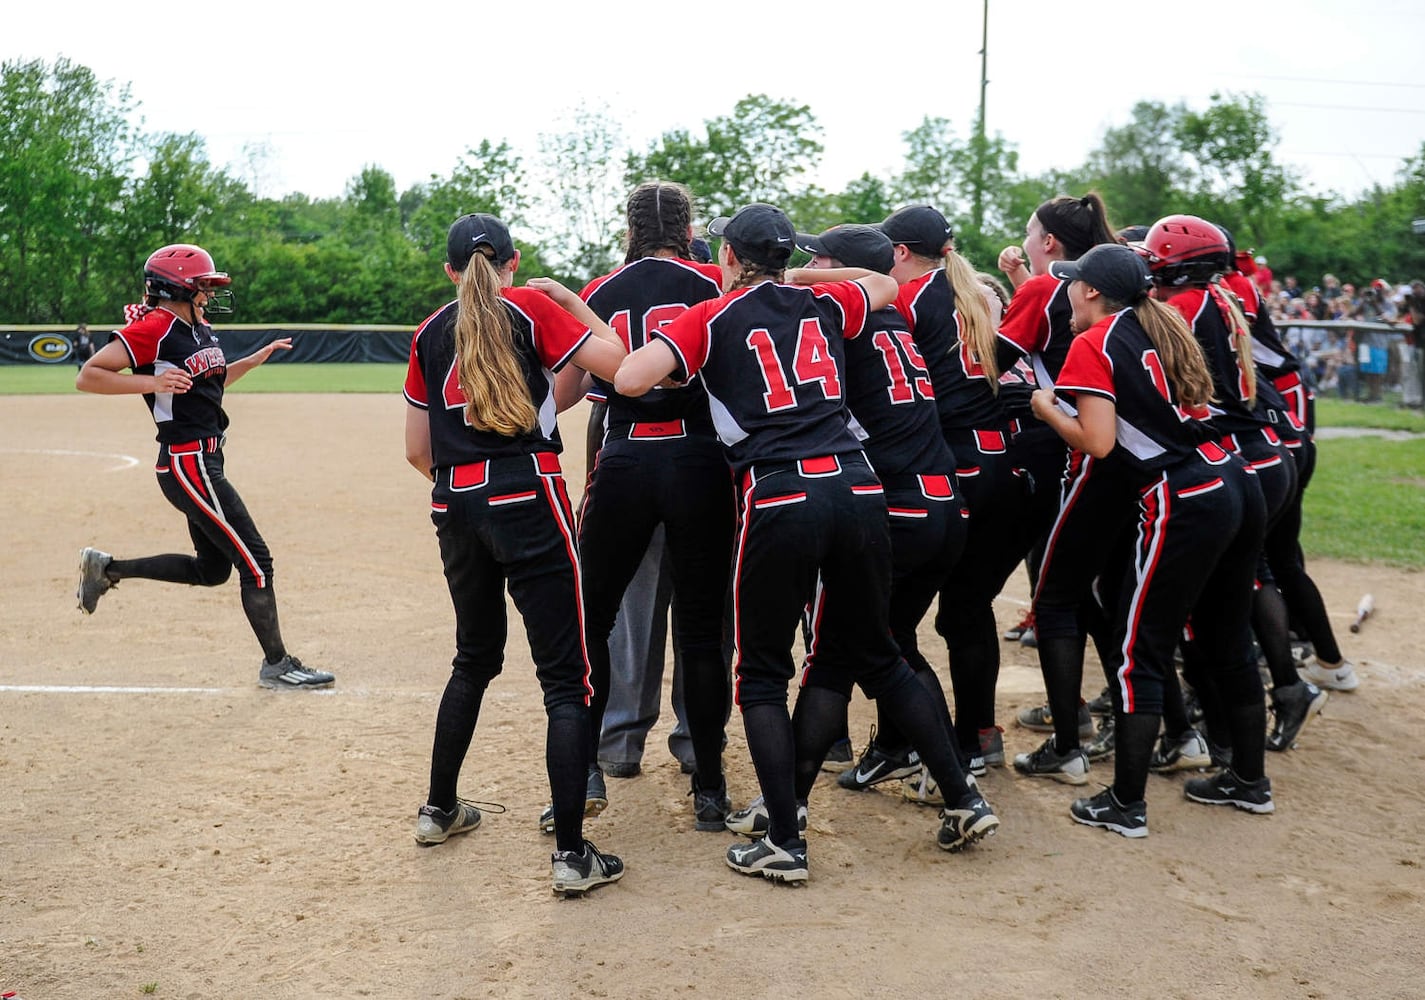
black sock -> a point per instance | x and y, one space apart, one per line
260 606
817 722
1269 624
770 742
1061 661
705 698
1175 720
566 758
172 568
1248 724
454 726
1134 736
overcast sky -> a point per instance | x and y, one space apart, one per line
325 89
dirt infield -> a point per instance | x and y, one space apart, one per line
171 829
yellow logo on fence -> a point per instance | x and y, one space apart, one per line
49 348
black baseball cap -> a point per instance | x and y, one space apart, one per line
854 246
920 228
759 232
1119 272
469 232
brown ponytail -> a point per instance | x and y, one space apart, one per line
1079 224
1241 333
977 329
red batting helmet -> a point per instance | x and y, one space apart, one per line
175 272
1183 249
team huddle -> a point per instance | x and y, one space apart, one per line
832 449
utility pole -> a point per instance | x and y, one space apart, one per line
977 183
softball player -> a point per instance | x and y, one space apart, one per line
178 365
891 400
1067 552
1186 254
813 522
1329 668
660 464
945 311
1136 383
481 426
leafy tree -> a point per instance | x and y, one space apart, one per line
581 182
760 152
68 147
1140 168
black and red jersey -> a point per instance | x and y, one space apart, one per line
892 399
1272 357
159 341
1038 323
1115 359
963 394
772 359
1232 412
636 300
545 338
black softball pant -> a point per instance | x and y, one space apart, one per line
928 526
683 484
999 494
1196 543
192 480
508 521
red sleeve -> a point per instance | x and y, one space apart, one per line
588 289
1026 321
557 335
906 296
687 336
854 304
1189 303
1088 367
142 337
1243 288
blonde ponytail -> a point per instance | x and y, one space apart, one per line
497 396
1241 334
977 329
1184 364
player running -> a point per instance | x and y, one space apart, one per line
176 361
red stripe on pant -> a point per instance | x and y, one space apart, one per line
1157 505
747 486
189 473
558 498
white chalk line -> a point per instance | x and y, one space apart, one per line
106 689
125 461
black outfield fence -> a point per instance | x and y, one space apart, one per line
311 342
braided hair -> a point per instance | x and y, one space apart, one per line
660 217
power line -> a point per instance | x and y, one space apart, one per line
1318 79
1346 107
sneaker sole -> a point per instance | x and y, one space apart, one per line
1061 776
1259 808
574 889
987 826
1201 763
1131 832
431 841
837 766
284 686
787 875
856 785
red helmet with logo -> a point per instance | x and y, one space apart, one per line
1184 249
177 271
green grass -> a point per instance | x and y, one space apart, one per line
49 379
1367 502
1332 412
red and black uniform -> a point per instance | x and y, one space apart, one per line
503 518
1296 424
1197 535
995 490
813 519
191 428
499 503
661 463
